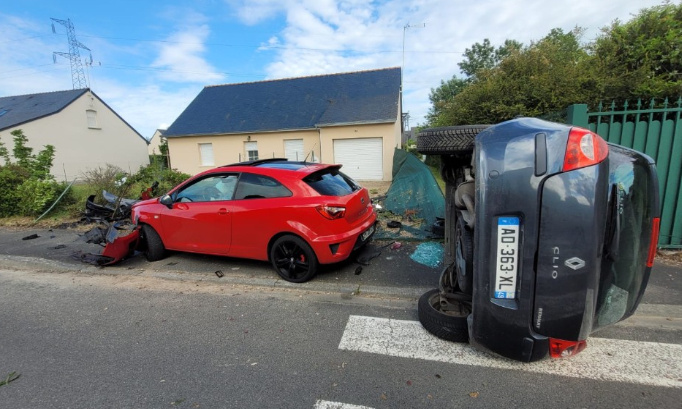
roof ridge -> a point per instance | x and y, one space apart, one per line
303 77
45 93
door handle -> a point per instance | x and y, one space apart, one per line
222 210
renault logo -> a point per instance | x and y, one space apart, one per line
575 263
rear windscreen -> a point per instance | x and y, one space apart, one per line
331 182
632 205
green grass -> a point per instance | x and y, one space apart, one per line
439 179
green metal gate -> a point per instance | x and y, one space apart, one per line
656 131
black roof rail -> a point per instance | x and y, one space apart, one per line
256 162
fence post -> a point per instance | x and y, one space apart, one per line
577 115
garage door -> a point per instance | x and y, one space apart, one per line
362 158
293 149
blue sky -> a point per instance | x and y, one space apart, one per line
151 58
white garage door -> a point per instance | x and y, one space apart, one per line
362 158
293 149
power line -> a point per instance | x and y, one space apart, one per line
276 47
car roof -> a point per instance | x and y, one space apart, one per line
275 166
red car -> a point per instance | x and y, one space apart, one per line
296 215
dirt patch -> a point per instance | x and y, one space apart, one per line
670 256
376 188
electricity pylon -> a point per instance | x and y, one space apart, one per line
77 73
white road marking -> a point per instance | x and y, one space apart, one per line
324 404
647 363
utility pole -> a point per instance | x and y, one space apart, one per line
77 74
404 117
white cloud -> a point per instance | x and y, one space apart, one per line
327 36
181 55
146 108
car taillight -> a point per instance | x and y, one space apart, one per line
331 212
584 148
653 244
559 348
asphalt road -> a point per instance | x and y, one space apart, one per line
173 334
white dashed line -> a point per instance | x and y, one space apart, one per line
323 404
647 363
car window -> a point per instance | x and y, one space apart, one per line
331 182
212 188
252 186
624 265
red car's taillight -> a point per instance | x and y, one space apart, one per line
559 348
584 148
331 212
655 228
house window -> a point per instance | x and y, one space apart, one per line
206 153
92 118
251 150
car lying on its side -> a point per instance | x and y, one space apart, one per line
297 215
550 235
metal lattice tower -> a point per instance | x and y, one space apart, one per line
77 73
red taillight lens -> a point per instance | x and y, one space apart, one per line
584 148
653 244
559 348
331 212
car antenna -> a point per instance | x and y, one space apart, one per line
311 151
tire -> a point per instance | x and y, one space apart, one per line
464 257
450 326
293 259
448 140
154 248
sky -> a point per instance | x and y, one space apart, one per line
151 58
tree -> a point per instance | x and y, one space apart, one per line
478 58
540 79
485 56
641 58
4 153
442 96
38 166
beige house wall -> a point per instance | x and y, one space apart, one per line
185 156
78 147
185 151
390 134
154 143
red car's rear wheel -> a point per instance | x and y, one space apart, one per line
293 259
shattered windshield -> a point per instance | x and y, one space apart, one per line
624 273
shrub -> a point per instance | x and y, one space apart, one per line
11 176
36 196
103 178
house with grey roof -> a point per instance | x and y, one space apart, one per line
84 130
350 118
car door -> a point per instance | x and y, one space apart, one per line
200 219
261 208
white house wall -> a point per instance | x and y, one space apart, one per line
79 148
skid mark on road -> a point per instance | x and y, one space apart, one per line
647 363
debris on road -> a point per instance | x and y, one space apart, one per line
119 239
429 254
31 237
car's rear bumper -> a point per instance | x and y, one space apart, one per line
338 247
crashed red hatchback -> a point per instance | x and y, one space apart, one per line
296 215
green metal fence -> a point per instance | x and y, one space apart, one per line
655 130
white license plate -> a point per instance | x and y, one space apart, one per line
367 233
507 257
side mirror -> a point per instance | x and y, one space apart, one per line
166 200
